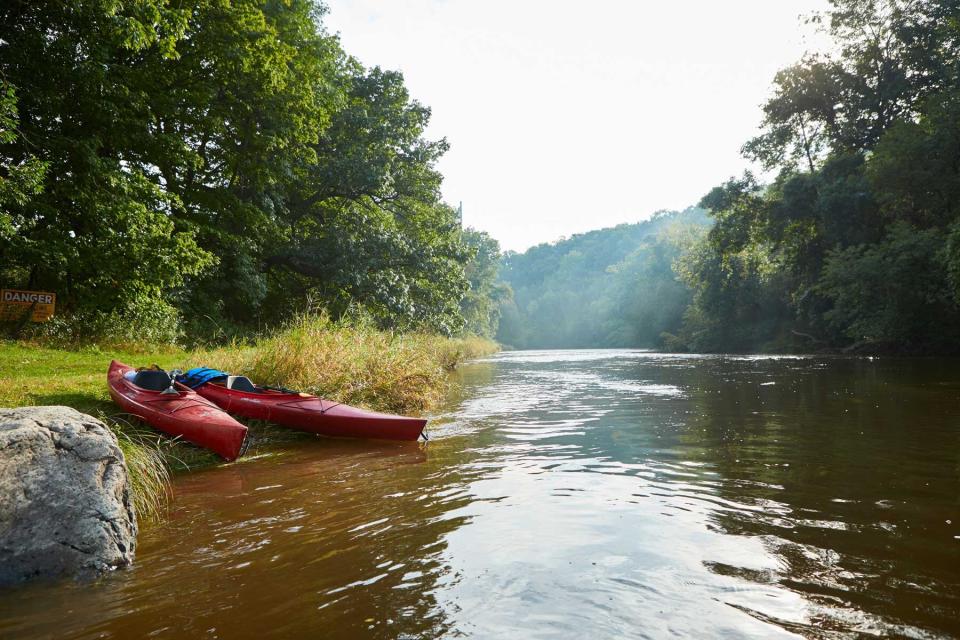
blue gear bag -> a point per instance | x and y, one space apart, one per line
199 376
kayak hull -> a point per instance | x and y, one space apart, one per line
313 414
186 415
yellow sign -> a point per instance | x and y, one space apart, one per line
15 302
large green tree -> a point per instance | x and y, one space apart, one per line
854 242
889 56
94 226
227 157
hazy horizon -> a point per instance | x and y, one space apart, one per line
563 121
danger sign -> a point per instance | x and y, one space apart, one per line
16 302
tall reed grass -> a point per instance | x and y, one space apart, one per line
147 471
355 362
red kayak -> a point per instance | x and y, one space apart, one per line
239 396
182 414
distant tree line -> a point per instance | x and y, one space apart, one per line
854 245
227 162
608 288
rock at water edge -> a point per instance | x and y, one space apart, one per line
65 502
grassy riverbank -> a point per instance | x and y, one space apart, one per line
354 363
349 362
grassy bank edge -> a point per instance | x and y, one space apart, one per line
348 362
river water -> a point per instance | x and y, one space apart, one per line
572 494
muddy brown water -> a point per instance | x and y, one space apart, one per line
571 494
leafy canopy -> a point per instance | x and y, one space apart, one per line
225 158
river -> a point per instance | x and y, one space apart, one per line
572 494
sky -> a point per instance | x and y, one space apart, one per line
569 116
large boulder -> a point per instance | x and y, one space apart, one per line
65 504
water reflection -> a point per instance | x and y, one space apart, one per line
811 496
334 537
564 494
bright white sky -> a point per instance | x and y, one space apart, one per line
569 116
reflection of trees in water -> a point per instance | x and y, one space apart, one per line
378 524
467 381
845 468
852 466
328 539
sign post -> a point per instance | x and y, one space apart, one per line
15 303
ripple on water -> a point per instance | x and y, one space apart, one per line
567 494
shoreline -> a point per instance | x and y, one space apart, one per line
383 371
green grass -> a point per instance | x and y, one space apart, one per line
34 375
348 362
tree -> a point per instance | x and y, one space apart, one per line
608 288
21 176
913 170
90 223
890 55
649 297
893 293
481 305
866 144
367 225
226 157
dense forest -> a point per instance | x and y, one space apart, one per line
608 288
209 165
213 164
852 244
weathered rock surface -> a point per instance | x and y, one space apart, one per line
65 503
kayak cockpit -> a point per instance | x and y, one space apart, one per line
149 379
242 383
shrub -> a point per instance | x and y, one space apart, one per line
141 324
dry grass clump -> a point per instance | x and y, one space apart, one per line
453 351
355 362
